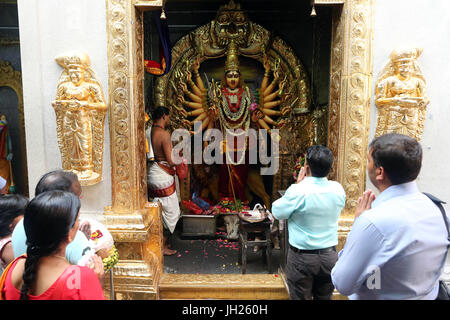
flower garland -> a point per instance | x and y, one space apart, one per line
111 260
228 206
255 99
299 163
234 107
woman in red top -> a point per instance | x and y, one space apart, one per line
51 222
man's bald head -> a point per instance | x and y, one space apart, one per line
59 180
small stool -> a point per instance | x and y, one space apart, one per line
256 227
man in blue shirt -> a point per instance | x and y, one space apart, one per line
398 243
312 207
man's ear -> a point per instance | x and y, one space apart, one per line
380 174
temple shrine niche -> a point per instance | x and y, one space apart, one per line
271 76
233 73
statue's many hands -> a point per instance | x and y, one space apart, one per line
180 99
286 110
266 63
186 123
257 115
183 112
183 87
188 76
281 86
281 123
213 113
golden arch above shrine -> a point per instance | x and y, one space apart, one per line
134 224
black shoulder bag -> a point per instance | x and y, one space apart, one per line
444 292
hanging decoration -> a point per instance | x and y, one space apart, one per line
165 49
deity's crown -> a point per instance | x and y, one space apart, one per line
231 6
405 54
73 59
232 63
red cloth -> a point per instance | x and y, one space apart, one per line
75 283
192 207
3 143
167 169
182 170
162 193
239 175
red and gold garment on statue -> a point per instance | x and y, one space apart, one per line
5 149
235 114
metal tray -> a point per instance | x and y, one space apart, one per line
199 225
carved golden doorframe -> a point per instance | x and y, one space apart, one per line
135 225
13 79
350 91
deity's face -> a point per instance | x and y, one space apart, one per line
232 24
403 68
232 79
76 75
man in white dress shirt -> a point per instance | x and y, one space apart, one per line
398 243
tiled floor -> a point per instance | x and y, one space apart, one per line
213 256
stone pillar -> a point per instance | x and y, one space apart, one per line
135 224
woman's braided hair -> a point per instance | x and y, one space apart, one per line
47 221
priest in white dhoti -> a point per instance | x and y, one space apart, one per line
161 172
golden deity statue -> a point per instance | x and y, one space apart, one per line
80 113
274 95
231 105
400 95
235 106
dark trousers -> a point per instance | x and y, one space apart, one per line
309 275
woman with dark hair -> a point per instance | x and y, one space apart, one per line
51 221
12 207
64 181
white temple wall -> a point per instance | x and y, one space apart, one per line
422 24
49 28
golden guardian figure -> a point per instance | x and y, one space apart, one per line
400 95
80 113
